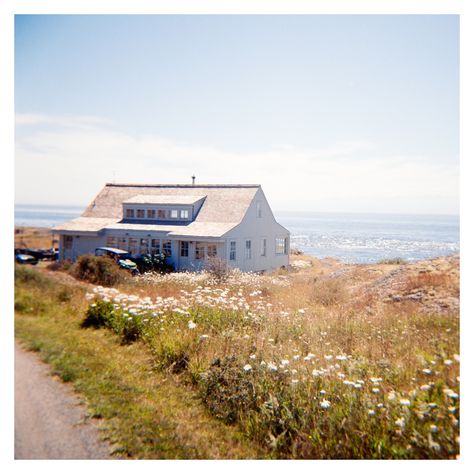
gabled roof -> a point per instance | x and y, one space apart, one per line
224 207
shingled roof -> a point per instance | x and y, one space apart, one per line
224 207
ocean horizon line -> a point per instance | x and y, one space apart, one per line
276 211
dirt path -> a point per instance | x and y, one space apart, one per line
49 421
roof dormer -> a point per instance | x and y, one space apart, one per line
160 209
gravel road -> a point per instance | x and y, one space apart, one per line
50 423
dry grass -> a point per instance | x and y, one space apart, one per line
304 363
34 237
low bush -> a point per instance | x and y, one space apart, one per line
99 314
30 276
98 270
329 292
153 263
392 261
218 268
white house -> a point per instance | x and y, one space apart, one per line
187 223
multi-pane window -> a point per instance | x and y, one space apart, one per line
200 251
212 250
259 209
280 246
287 241
130 213
133 245
111 241
167 248
184 249
233 252
161 214
184 214
150 213
263 247
140 213
143 246
174 214
123 243
67 242
248 249
155 246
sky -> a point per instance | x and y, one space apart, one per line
336 113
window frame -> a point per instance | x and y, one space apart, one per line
68 241
184 248
248 249
280 247
233 250
263 247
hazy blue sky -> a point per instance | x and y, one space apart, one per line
336 113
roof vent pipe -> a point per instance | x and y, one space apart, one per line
193 178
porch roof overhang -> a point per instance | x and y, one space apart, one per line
83 225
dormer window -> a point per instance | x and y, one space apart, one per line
164 208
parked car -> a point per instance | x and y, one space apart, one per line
39 254
122 257
22 258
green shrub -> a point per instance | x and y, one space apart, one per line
227 390
30 276
98 270
99 314
153 263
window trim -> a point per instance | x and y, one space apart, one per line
263 247
248 249
233 250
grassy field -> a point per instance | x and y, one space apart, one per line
34 237
329 361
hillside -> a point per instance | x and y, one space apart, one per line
324 360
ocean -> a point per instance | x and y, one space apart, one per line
356 238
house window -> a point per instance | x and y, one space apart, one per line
123 243
184 214
248 249
280 246
200 251
150 213
287 241
68 242
161 214
111 241
212 250
143 246
140 213
259 209
133 245
233 250
167 248
155 246
130 213
263 247
174 214
184 250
